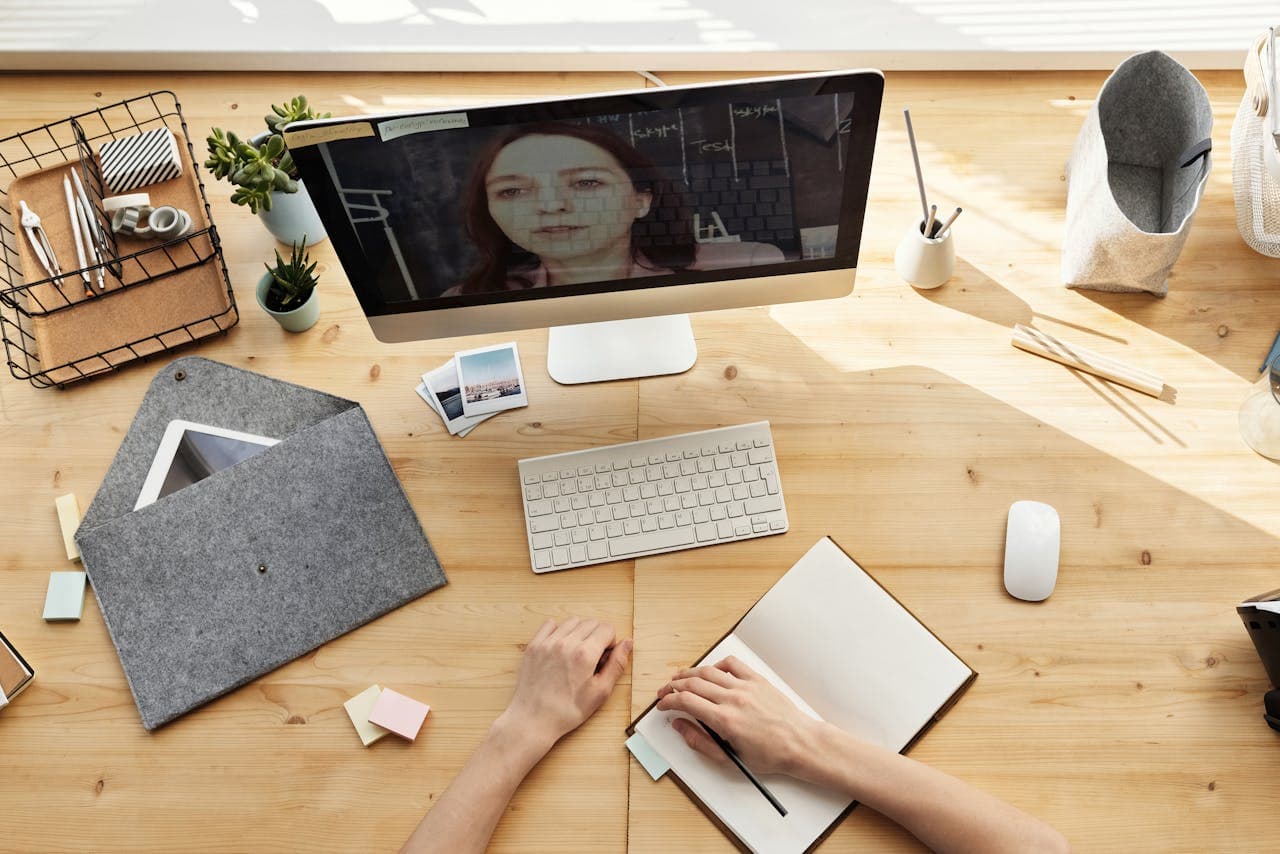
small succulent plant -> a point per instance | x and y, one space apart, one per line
258 170
292 281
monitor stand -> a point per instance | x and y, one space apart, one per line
621 349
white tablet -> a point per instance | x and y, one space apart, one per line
190 452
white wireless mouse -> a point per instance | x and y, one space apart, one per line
1031 550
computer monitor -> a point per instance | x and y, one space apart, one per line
603 217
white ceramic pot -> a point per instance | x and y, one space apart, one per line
925 262
292 215
299 319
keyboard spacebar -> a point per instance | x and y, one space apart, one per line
668 539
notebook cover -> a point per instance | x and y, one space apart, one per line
15 673
227 579
946 707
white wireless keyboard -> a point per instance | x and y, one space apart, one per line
645 498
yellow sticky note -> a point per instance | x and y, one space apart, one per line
358 708
69 520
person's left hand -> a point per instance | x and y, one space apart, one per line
567 672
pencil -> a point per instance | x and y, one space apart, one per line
737 760
950 220
928 223
915 157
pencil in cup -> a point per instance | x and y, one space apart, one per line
1045 345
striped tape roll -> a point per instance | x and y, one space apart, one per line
137 161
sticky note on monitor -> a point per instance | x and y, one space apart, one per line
648 758
65 597
358 709
398 713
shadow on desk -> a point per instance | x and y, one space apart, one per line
1082 700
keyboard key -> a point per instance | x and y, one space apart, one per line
648 523
688 467
631 526
724 529
562 538
673 456
760 443
706 498
596 532
724 495
577 554
603 481
549 476
635 476
620 512
666 520
684 517
759 455
630 493
530 479
654 506
561 505
566 474
585 471
542 541
596 551
718 512
560 557
701 514
543 523
688 501
603 515
738 460
636 509
578 502
733 477
648 490
771 483
706 533
666 488
671 503
533 493
767 504
742 529
759 525
613 529
722 463
683 484
586 484
715 479
750 474
744 446
670 470
579 535
613 496
706 465
568 520
620 478
542 560
725 447
596 499
619 465
603 468
740 492
735 509
539 508
551 490
699 481
638 462
568 487
655 459
708 450
690 453
586 517
777 524
758 489
651 541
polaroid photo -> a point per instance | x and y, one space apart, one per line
190 452
444 396
490 379
430 400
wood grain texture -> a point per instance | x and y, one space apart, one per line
1125 709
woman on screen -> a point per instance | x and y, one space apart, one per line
553 203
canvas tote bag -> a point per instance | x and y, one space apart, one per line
1135 177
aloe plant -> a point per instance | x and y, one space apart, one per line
259 170
292 281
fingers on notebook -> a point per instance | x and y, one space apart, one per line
709 690
694 705
711 674
734 665
697 739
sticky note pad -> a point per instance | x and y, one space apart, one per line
398 713
68 521
358 709
648 758
65 599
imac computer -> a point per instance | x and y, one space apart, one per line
604 217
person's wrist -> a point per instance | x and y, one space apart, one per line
524 731
811 740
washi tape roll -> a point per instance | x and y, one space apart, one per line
133 200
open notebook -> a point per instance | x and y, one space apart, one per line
845 651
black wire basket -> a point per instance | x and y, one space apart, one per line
26 303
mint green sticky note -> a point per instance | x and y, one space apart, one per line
65 599
647 756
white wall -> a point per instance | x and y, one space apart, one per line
621 34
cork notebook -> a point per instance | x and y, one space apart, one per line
94 334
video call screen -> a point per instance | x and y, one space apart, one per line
434 208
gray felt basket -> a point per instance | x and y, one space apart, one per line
1135 177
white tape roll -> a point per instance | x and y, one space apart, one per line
133 200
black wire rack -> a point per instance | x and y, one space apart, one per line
23 303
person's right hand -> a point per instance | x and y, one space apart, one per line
767 731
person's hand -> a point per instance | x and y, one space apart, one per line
567 672
767 731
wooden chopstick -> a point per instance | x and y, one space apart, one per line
1045 345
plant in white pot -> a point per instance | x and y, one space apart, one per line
287 291
265 176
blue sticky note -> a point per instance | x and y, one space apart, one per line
647 756
65 599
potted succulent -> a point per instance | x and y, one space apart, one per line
264 174
287 291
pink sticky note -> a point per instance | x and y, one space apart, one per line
398 713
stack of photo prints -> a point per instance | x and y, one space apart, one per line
474 385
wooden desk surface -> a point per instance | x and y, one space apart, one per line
1125 710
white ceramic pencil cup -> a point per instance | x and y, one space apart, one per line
925 262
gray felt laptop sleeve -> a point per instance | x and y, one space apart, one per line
225 580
